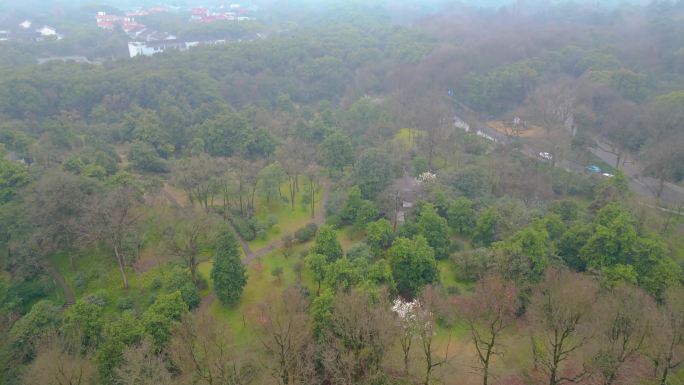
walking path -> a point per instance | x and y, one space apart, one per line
69 298
250 255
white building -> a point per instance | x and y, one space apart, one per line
47 31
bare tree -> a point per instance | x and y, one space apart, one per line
286 338
56 365
200 178
112 218
247 175
426 334
203 352
490 311
354 348
184 238
560 312
667 347
142 365
624 327
55 204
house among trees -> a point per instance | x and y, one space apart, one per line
406 192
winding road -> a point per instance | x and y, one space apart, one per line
645 187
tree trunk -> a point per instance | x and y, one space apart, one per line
313 199
122 266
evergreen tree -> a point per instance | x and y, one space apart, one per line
228 273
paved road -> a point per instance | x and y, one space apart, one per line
645 187
672 195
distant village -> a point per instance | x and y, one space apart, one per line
26 31
147 42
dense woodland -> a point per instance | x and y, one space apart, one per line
301 208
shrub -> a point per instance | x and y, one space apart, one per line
244 228
306 233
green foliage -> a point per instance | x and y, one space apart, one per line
420 165
43 319
143 157
228 273
160 318
317 265
358 211
379 236
343 274
85 320
225 134
435 230
485 231
321 311
461 215
372 173
527 254
613 240
413 265
571 243
13 176
306 233
179 279
360 251
338 151
502 88
619 274
327 244
125 331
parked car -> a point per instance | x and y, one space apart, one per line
593 169
545 156
608 175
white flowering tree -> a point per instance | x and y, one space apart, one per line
408 324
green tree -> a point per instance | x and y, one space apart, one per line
611 244
656 272
352 205
571 243
461 215
372 173
228 272
486 227
13 176
226 134
527 254
327 244
435 230
343 275
321 310
379 235
413 265
84 320
143 157
159 319
317 264
43 319
271 178
338 151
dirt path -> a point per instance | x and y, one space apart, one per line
250 255
319 220
69 298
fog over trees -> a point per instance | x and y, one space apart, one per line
342 192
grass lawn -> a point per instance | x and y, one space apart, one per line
447 277
97 273
261 284
289 220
